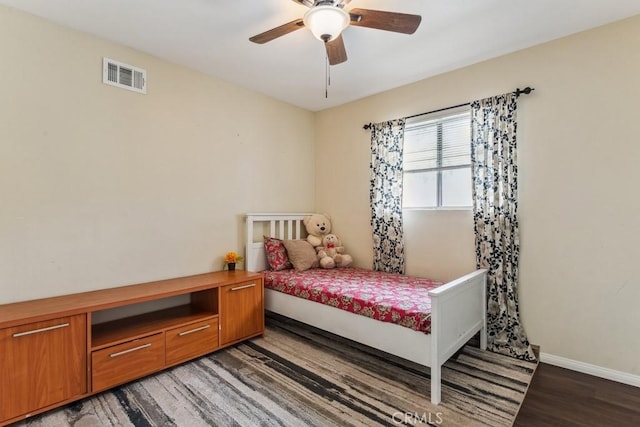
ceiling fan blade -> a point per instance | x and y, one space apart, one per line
336 51
389 21
280 31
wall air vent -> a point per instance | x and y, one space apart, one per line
125 76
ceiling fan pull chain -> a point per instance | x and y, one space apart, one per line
327 78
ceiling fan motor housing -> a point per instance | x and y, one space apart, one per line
326 21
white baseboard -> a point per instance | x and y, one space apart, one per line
586 368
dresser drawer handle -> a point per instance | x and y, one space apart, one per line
37 331
120 353
201 328
253 285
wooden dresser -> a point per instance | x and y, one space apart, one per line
53 351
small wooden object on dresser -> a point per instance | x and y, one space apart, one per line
51 354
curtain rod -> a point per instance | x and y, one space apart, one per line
527 90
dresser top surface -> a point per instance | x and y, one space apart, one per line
35 310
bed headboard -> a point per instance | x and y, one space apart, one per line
278 225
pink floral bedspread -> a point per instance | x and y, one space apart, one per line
388 297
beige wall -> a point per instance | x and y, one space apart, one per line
578 157
101 186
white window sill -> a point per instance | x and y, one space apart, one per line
441 208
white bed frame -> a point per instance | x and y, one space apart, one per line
458 308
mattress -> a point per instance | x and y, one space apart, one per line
388 297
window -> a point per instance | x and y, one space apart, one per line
437 160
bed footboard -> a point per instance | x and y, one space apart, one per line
458 312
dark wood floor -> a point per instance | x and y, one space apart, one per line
560 397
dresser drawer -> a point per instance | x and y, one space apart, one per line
190 341
124 362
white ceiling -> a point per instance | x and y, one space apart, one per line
212 36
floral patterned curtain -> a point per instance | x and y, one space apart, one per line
495 206
386 196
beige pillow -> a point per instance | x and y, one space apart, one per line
301 254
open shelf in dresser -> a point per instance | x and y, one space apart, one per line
203 305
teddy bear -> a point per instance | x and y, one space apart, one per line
318 226
331 253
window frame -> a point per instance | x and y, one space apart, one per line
440 117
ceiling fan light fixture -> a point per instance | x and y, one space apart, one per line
326 22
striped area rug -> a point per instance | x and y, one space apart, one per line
300 376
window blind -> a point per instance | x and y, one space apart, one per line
438 142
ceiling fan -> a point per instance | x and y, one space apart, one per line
327 18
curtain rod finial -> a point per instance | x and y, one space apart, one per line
527 90
367 126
